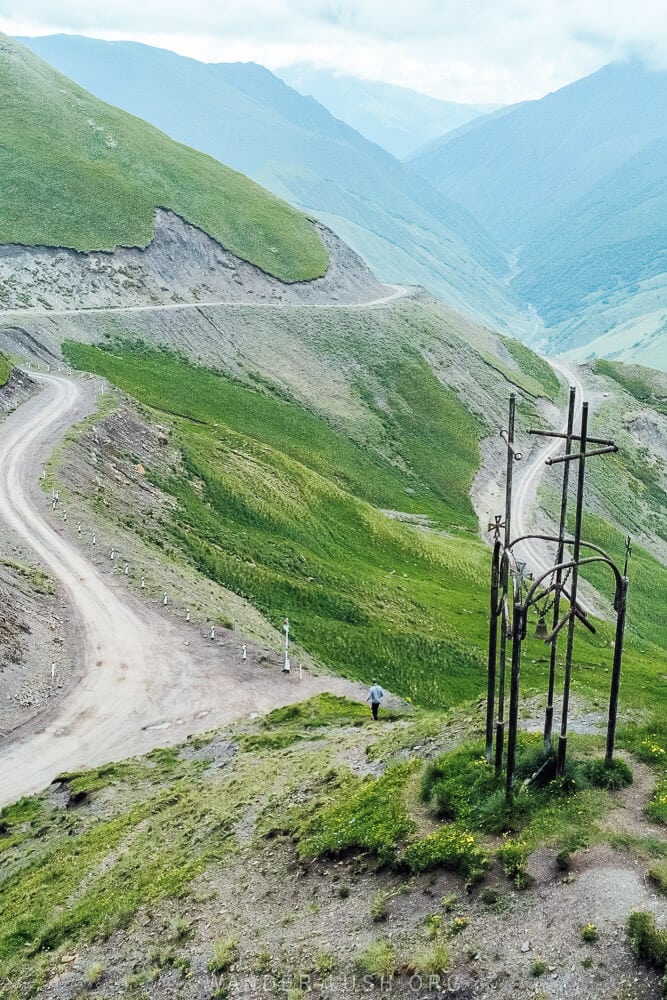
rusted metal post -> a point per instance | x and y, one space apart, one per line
518 620
508 437
549 712
620 606
576 554
493 649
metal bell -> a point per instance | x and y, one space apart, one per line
541 630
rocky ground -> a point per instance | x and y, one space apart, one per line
181 264
300 929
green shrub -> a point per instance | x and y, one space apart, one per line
658 874
617 775
646 940
457 925
538 968
589 933
449 847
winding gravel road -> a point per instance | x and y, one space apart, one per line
147 679
137 672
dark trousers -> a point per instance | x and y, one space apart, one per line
374 709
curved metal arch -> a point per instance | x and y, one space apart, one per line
570 564
555 538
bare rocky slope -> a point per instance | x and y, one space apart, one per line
182 263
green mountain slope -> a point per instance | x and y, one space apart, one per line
246 117
78 173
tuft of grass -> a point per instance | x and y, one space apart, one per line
107 172
94 974
380 906
225 952
430 959
378 960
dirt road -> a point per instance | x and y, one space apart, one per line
147 679
15 315
528 479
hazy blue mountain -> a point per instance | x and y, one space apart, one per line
397 118
246 117
575 185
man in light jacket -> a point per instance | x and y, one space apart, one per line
375 696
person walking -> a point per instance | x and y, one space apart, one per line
375 696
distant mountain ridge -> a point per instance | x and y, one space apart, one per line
575 185
246 117
399 119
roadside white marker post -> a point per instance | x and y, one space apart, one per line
78 527
43 473
300 671
64 515
53 672
113 554
94 539
143 583
212 632
164 600
127 569
244 655
53 503
287 668
57 496
187 615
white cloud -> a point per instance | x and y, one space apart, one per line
486 50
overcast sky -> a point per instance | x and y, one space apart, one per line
461 50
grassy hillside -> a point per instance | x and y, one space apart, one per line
79 173
647 386
286 509
246 117
5 368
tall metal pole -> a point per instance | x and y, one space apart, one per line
620 606
578 519
549 712
518 620
493 641
500 723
